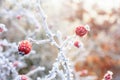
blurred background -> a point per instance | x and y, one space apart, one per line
102 44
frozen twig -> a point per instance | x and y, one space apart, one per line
35 70
61 57
45 26
6 65
39 41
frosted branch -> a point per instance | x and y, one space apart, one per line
35 70
45 26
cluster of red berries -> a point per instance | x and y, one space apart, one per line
24 47
80 31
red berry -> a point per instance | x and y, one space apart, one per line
81 31
18 17
24 47
108 76
15 64
1 30
84 72
76 44
23 77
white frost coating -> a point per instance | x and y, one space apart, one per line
66 72
87 27
2 26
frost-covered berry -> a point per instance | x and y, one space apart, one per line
108 76
84 72
2 28
76 44
23 77
81 31
15 64
18 17
24 47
